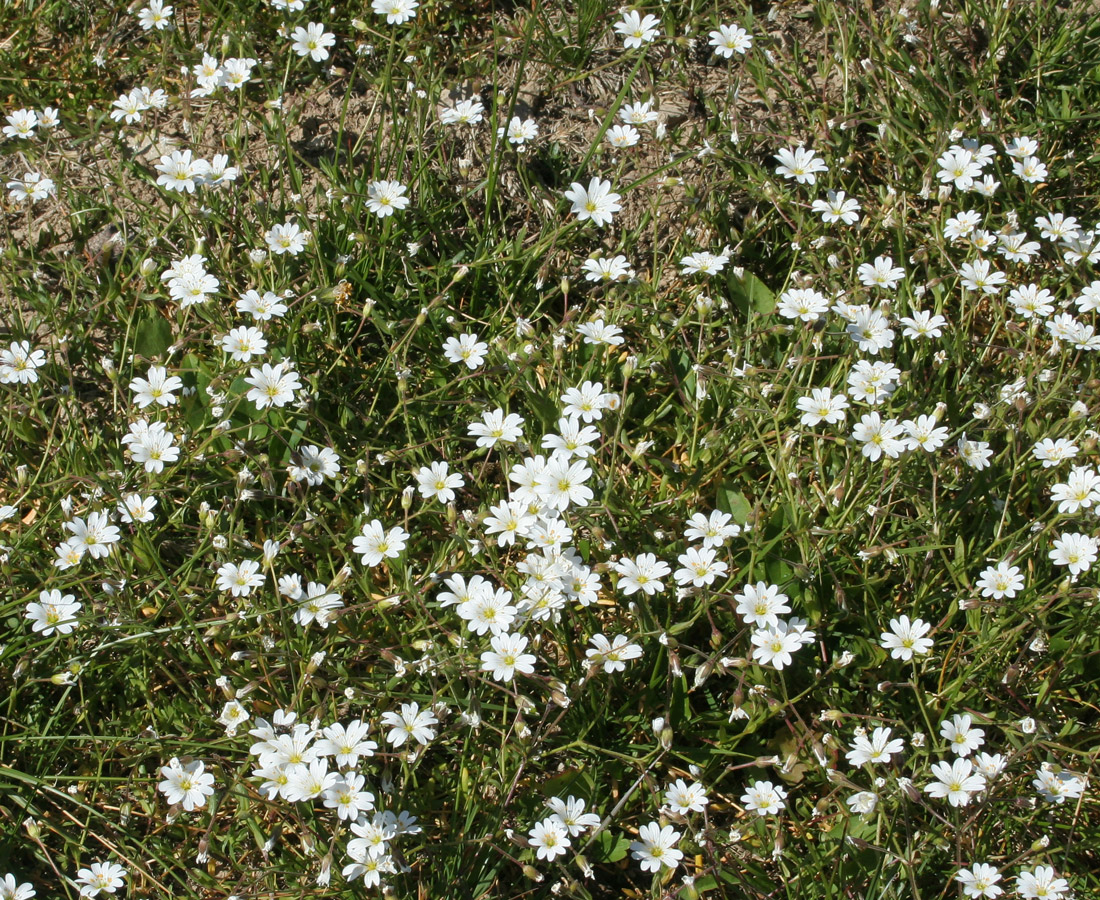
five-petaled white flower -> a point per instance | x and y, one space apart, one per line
800 164
312 41
272 385
385 197
186 783
906 639
596 202
730 39
636 30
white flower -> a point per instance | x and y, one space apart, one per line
438 482
881 273
496 427
656 847
876 749
53 612
878 437
636 30
486 610
730 39
34 187
923 434
699 567
713 529
375 543
683 798
151 445
1000 581
272 385
412 722
597 332
187 784
155 15
958 165
467 348
235 74
312 41
19 364
962 737
980 276
347 797
614 269
837 207
1080 490
800 164
975 454
347 743
704 262
1058 787
1075 550
863 803
157 387
597 202
621 136
1041 883
1031 169
129 107
550 838
1051 452
307 782
244 342
520 131
94 536
586 402
464 112
774 644
21 124
870 329
638 113
10 889
1029 300
179 172
804 304
922 324
135 508
981 881
644 573
233 716
822 406
286 238
314 465
240 578
906 639
956 781
100 877
761 604
612 655
264 308
317 605
220 172
385 197
571 814
764 798
397 12
507 657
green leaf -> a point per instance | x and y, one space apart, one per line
750 293
732 501
610 847
154 335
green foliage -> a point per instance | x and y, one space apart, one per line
704 392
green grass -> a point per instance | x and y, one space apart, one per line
706 383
